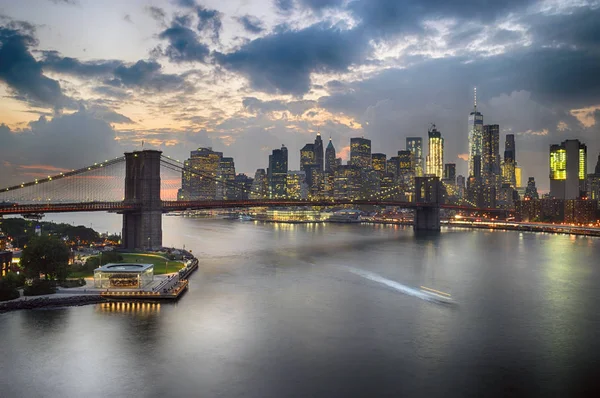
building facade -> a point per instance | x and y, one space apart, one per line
415 146
475 131
568 170
199 176
435 157
360 153
277 173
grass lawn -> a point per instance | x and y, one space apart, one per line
156 259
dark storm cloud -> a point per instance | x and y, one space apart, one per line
145 75
52 60
209 21
254 105
580 28
283 62
251 23
183 46
24 75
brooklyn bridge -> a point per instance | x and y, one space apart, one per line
142 186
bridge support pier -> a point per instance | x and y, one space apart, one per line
427 219
428 192
142 227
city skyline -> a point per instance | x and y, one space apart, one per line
125 81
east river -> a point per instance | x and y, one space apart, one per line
280 310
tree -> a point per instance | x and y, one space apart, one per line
46 255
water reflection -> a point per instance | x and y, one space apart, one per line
138 308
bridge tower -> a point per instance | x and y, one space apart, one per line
142 227
428 193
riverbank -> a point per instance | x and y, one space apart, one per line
50 301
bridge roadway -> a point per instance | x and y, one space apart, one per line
169 206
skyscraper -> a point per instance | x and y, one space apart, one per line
593 183
260 185
531 190
226 179
510 161
490 153
360 152
379 162
415 146
450 172
568 169
318 147
475 139
435 156
198 180
329 157
277 173
307 156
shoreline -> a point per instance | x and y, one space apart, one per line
48 301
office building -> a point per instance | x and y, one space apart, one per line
318 148
415 146
199 176
330 162
360 153
518 176
347 182
277 173
510 161
307 156
450 172
568 170
243 186
260 185
435 157
379 162
226 179
531 190
475 131
296 185
593 183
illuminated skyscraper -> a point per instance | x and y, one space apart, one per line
531 190
475 140
435 156
360 153
379 162
568 170
260 185
330 158
415 146
318 147
198 180
296 185
226 179
593 183
518 176
277 173
510 161
307 156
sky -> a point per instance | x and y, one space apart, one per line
82 81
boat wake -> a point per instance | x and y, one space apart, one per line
423 293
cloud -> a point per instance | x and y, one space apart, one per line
254 105
183 46
157 13
108 115
65 141
24 75
69 2
283 62
127 18
209 21
251 23
144 74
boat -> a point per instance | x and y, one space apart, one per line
245 217
345 216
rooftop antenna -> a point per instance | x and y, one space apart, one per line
475 98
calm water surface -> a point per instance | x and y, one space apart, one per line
279 310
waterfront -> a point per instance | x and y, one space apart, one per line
275 312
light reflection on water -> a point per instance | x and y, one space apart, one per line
274 312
